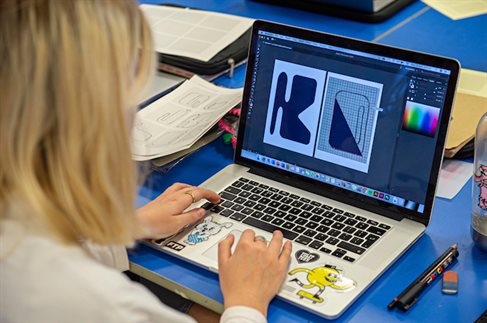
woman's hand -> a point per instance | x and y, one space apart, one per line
253 274
164 216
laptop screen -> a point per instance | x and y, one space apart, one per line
356 120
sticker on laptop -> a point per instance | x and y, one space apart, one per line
303 256
175 246
204 230
314 282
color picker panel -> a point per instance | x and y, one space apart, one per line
420 118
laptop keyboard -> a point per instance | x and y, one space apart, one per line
319 226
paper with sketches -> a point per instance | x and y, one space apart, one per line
193 33
453 176
459 9
176 121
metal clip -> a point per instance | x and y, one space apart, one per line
231 62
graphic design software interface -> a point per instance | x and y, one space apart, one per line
363 122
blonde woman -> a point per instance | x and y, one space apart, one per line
70 75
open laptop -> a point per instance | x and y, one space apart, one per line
340 144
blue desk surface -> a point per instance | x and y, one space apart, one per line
416 27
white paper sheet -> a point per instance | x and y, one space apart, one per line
193 33
453 176
459 9
179 119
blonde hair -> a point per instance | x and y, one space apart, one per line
70 73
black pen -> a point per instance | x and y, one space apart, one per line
410 295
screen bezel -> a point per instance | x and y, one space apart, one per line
330 191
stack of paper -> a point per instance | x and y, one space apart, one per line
176 121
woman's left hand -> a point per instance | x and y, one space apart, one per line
164 216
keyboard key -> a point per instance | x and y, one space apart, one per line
247 211
329 214
314 203
338 211
360 234
264 200
316 218
249 203
345 236
217 209
288 225
372 237
277 221
290 217
269 210
297 203
360 218
350 215
315 244
257 190
267 194
307 207
332 241
349 229
325 250
347 258
233 190
321 237
299 229
254 183
338 253
247 187
284 207
295 211
305 200
311 225
284 193
361 225
240 200
263 186
351 247
270 228
274 204
334 233
309 233
372 222
273 189
228 196
237 207
318 211
276 197
286 200
243 179
305 214
294 196
368 243
257 214
301 221
303 240
238 183
267 218
340 218
207 206
244 194
357 241
226 212
322 229
384 226
280 214
326 207
259 207
338 225
327 222
350 222
254 197
227 204
376 231
237 216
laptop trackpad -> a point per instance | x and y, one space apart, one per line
212 252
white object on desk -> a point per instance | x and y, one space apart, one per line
196 34
453 176
459 9
177 120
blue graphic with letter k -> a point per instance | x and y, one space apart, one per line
303 91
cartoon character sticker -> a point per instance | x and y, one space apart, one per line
480 177
320 278
204 230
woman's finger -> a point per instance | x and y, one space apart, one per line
225 249
276 242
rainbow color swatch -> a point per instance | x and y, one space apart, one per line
420 118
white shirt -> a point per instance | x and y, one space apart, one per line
42 280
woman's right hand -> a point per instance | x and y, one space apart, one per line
253 274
